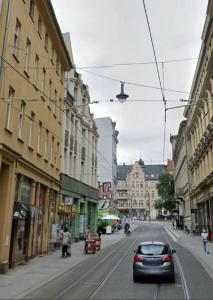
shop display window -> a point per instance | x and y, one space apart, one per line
20 247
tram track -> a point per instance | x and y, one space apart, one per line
94 291
181 272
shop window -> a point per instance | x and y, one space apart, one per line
20 246
25 190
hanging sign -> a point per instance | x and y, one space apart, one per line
68 201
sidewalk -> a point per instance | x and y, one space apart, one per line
18 282
195 245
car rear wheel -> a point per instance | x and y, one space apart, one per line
135 278
171 279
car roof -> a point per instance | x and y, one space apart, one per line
153 242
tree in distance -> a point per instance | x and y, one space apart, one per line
166 191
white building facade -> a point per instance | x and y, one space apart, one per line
107 158
79 195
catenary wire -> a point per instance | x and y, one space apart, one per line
98 152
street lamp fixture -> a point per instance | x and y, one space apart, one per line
122 96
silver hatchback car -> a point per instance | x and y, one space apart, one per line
153 259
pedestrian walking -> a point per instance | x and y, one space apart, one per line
87 233
173 224
99 231
66 240
204 236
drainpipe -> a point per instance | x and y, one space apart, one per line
5 39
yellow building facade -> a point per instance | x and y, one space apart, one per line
33 61
199 132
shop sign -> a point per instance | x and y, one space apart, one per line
55 233
68 201
21 211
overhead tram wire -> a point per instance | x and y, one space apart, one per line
159 79
136 63
27 80
134 84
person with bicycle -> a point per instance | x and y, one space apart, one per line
127 229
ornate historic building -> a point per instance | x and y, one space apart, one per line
199 132
137 189
79 194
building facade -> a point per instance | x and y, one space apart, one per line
137 189
33 61
79 195
107 162
199 131
181 175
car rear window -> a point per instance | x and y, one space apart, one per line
153 249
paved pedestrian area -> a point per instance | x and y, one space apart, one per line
195 245
18 282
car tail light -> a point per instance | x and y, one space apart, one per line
167 258
138 258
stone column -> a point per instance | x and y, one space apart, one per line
35 223
29 251
45 228
210 104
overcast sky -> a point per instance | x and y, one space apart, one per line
108 32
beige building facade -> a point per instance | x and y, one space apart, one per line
181 176
200 132
137 190
34 59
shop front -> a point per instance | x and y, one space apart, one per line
205 216
83 211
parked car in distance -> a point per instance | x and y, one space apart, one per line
153 259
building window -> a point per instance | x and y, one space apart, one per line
9 107
49 92
39 136
46 143
43 88
16 38
60 109
27 56
57 65
76 93
62 75
57 156
32 7
55 103
52 150
39 26
53 55
32 120
21 119
36 70
46 41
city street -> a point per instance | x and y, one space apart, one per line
108 274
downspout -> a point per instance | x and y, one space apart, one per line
5 40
